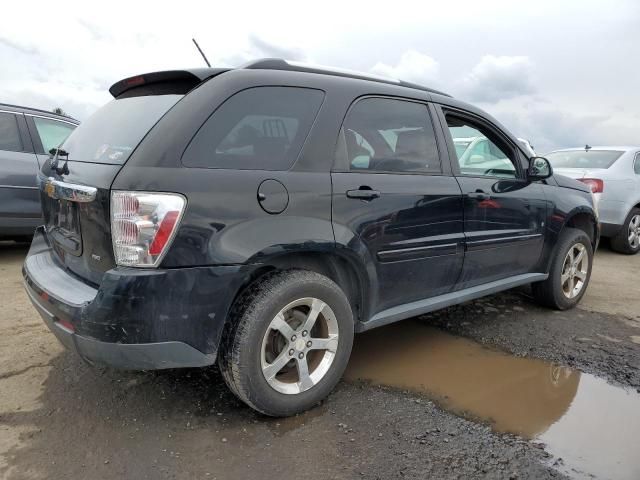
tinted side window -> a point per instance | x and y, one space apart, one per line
261 128
52 133
9 133
386 135
477 152
636 165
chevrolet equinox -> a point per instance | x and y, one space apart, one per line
258 217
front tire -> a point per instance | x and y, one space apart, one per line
627 240
289 342
569 274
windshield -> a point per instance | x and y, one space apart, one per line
114 131
583 158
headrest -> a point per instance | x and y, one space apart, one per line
412 143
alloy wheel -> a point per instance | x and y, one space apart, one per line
574 270
299 346
634 232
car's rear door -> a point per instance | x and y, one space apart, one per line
504 213
19 200
395 201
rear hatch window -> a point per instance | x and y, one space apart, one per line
112 133
585 159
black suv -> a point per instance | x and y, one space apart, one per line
260 216
26 136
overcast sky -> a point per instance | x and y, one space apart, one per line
560 73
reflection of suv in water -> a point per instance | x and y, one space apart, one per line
259 217
26 135
613 174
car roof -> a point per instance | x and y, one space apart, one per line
197 75
36 112
276 68
621 148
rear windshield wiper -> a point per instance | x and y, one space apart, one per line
55 153
59 152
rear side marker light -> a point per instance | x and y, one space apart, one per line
66 325
143 225
164 232
595 184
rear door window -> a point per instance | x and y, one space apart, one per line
388 135
260 128
9 133
52 132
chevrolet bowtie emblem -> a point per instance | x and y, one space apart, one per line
50 188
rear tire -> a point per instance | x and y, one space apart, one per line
627 240
569 274
295 311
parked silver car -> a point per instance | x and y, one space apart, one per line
613 173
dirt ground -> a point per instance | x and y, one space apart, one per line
60 418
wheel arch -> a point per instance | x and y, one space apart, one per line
586 221
343 270
581 218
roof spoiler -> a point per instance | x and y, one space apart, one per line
185 80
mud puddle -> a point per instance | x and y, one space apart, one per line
590 427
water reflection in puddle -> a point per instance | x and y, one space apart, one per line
592 425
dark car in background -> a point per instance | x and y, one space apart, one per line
258 217
26 136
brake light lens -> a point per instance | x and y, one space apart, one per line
143 225
595 184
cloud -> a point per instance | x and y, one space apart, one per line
549 126
413 66
258 47
269 49
26 49
498 78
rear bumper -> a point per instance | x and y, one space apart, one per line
134 356
136 319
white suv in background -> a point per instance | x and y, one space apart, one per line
613 173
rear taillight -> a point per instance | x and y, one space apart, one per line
595 184
143 225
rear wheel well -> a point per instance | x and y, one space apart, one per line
331 266
586 223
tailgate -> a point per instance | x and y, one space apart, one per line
75 208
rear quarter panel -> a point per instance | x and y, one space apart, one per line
224 223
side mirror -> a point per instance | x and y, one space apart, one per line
539 169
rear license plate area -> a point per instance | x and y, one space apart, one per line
64 228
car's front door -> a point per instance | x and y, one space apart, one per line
395 202
504 213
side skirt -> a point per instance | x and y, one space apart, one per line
420 307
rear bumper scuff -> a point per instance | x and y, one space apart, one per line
140 319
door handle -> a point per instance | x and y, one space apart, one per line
478 195
363 193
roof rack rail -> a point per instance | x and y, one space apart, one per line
53 114
281 64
